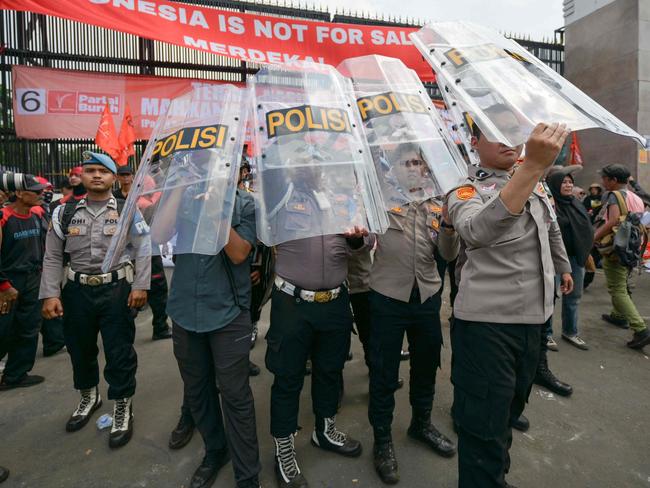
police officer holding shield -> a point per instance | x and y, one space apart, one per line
93 302
405 297
506 292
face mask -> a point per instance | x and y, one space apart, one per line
47 197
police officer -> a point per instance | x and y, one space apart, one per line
513 251
22 228
157 296
405 297
310 317
209 304
93 301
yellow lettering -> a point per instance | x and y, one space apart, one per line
167 148
179 145
301 120
208 137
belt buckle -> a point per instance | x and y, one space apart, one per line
94 281
323 296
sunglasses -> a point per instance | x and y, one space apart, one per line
413 163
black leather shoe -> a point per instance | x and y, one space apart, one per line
622 323
328 438
308 368
51 352
400 383
4 474
639 340
182 433
162 334
547 379
253 369
521 424
207 472
404 355
422 429
25 382
383 455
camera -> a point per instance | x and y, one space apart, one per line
11 182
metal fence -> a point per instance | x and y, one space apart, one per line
39 40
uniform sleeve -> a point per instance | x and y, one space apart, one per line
558 251
479 223
246 227
141 242
52 261
448 245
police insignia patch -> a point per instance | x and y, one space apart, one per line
482 174
74 231
465 193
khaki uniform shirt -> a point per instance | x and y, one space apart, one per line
89 235
405 253
359 265
511 259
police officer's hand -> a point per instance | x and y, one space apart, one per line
256 277
137 298
566 286
7 300
356 232
52 308
544 145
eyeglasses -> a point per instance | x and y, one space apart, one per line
413 162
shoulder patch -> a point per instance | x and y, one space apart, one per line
465 192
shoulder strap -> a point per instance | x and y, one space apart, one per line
66 214
621 203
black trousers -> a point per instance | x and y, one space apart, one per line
220 359
157 295
52 332
390 320
19 328
300 330
492 371
87 311
450 269
361 311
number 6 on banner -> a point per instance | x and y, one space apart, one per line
30 101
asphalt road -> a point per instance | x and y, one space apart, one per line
596 438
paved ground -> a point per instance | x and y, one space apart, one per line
597 438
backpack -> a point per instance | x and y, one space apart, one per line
627 239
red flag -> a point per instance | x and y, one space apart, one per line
575 157
106 137
126 138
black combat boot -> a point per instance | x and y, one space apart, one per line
327 437
544 377
89 402
286 465
423 430
182 433
384 456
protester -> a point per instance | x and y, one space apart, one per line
593 201
22 227
578 238
624 313
505 294
92 301
209 305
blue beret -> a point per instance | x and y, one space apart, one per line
99 158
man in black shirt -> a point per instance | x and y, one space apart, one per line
22 227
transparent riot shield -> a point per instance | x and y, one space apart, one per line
506 89
184 191
313 169
414 152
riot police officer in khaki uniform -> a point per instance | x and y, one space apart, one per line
513 251
92 301
405 298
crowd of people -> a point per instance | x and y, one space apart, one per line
513 238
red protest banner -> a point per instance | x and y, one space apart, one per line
126 138
249 37
61 104
106 137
